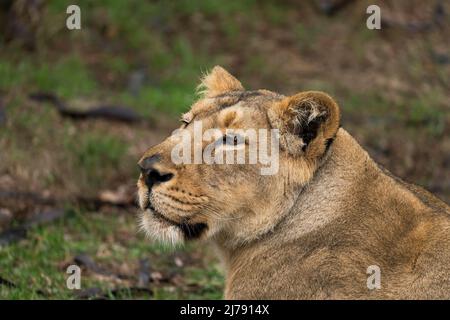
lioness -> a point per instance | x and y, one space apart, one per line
316 229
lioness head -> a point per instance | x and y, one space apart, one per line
199 199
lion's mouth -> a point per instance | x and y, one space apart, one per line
159 215
190 230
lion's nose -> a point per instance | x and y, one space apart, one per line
151 174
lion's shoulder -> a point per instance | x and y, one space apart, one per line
425 197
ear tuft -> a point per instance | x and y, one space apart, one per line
218 81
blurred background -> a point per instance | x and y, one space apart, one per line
79 107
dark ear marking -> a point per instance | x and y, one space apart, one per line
309 131
328 143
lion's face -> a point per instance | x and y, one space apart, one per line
187 201
187 196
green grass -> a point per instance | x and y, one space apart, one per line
369 103
428 112
67 77
12 75
96 154
38 264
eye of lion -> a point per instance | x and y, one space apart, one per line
184 123
232 140
186 119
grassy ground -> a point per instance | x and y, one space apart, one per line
38 265
393 86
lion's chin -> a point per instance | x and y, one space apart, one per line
160 230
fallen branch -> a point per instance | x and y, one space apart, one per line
331 7
18 233
7 283
2 113
12 285
26 196
12 235
108 112
86 261
437 19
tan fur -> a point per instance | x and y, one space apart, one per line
312 230
217 82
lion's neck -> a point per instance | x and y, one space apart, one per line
324 198
314 205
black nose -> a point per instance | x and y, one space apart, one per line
152 175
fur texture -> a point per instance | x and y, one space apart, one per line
312 230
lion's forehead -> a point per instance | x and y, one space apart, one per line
222 106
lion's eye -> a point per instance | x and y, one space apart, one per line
233 140
186 119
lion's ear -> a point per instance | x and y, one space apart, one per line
307 121
218 81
